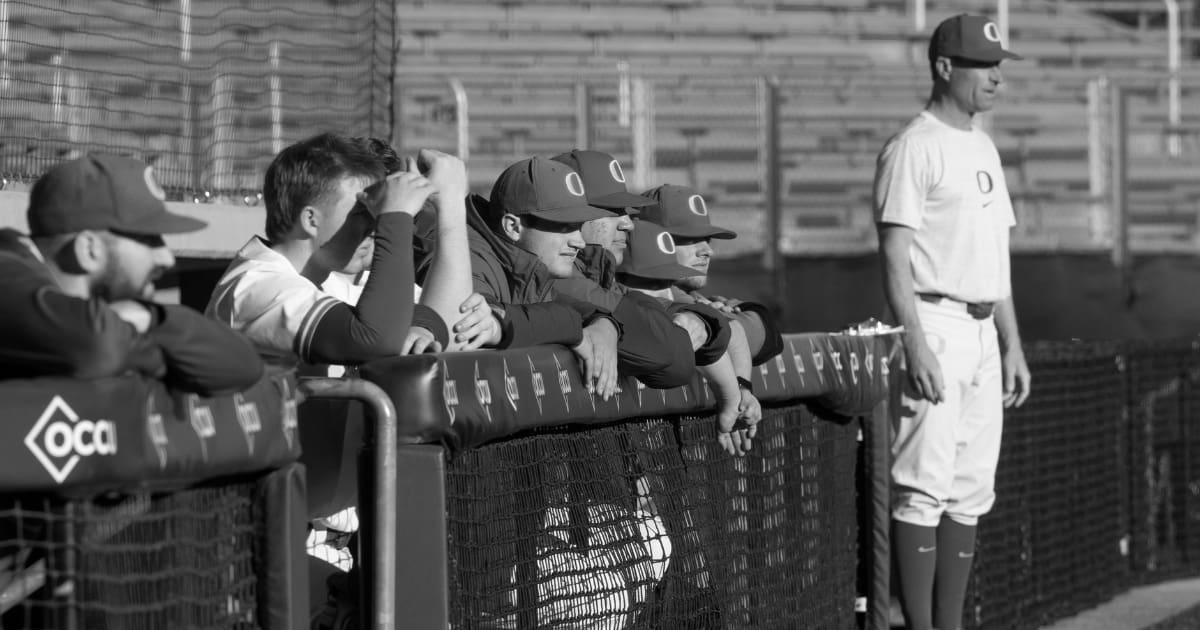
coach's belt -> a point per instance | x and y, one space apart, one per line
978 310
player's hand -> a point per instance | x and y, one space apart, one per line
419 341
693 325
134 313
598 353
1017 379
733 439
724 304
749 414
447 172
924 371
479 326
400 192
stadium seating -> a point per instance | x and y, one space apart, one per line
851 74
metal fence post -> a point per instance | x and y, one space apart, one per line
381 615
772 260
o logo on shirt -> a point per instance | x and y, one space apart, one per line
991 32
614 169
574 184
984 179
666 244
697 206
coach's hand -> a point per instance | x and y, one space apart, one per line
924 371
1017 378
598 353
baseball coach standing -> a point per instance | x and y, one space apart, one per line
943 214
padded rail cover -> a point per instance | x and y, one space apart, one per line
464 400
76 436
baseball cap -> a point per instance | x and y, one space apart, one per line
972 37
683 212
651 254
604 179
102 192
546 189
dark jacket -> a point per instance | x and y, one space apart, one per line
45 332
517 285
654 349
762 331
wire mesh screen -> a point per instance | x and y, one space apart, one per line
1053 543
207 92
646 525
1164 449
143 561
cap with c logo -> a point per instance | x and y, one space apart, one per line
102 192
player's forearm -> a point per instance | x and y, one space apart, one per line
384 311
337 252
449 282
898 280
723 380
1006 325
739 350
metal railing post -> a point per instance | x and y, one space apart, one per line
382 616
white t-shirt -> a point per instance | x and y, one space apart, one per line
948 185
264 297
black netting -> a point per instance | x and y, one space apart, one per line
207 92
1053 543
1164 449
647 525
135 562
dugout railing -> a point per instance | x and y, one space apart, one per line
529 503
533 504
127 505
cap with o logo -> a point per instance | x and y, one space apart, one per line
651 254
102 192
604 178
683 212
971 37
546 189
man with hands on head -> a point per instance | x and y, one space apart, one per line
650 268
290 292
78 292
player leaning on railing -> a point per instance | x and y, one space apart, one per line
656 347
943 213
77 298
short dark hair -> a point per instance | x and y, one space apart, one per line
309 172
392 162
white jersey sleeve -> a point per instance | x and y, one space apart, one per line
903 177
273 305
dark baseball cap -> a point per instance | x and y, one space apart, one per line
603 178
546 189
102 192
972 37
651 254
683 212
